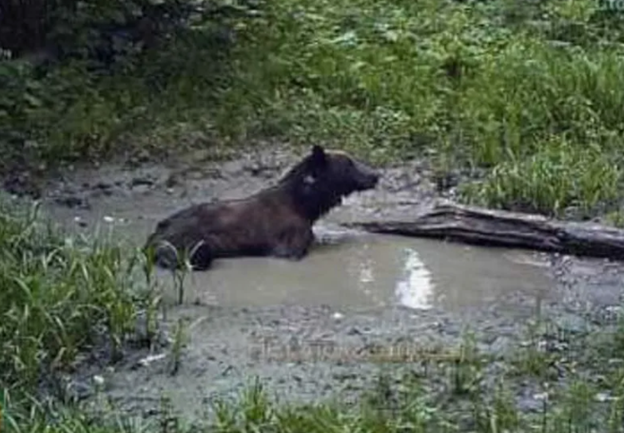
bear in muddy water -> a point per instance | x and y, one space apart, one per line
276 221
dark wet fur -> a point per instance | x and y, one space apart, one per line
274 222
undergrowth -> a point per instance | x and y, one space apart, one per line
58 296
529 92
526 91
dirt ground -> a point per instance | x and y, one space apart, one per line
313 343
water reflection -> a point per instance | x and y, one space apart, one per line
414 289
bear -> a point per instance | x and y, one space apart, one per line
276 221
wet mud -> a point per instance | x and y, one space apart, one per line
315 329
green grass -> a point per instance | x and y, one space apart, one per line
527 91
60 296
558 177
394 79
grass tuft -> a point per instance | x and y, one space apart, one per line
57 296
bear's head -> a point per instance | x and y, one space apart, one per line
324 177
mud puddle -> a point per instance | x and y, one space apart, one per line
266 318
367 272
346 269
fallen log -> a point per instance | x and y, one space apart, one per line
496 228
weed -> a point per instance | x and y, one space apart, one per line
180 273
178 344
534 359
558 177
500 414
467 373
57 295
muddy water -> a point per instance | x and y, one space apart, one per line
346 269
371 271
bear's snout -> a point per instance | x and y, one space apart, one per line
366 177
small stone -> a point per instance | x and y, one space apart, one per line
501 345
138 181
80 390
572 324
102 186
603 396
149 359
71 201
354 331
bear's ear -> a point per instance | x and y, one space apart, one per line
319 158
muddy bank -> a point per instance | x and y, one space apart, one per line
315 328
